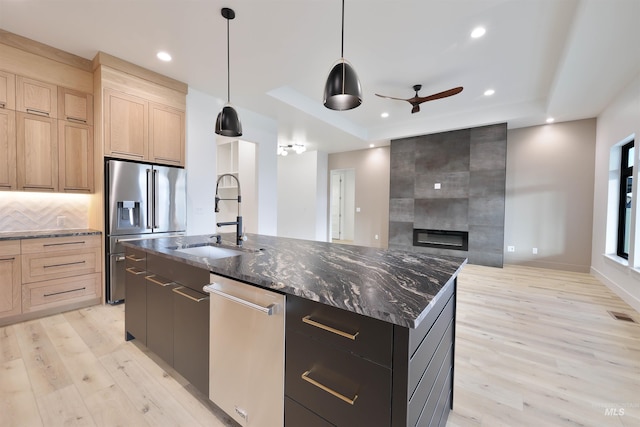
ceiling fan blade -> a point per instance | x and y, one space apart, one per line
391 97
440 95
416 108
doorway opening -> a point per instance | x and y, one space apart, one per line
342 205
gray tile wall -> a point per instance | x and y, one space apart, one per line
470 166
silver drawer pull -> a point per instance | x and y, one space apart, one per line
64 264
305 376
179 292
309 321
133 258
135 271
153 279
64 292
269 310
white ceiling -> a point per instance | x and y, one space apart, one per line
560 58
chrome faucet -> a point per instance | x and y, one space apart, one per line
238 222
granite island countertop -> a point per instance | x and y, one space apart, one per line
39 234
395 286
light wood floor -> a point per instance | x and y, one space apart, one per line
534 348
537 348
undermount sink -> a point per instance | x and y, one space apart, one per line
211 252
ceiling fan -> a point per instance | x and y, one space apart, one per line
417 100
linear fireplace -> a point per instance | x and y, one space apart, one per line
442 239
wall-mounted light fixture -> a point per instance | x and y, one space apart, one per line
283 150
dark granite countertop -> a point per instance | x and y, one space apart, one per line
395 286
21 235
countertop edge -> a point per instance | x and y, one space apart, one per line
41 234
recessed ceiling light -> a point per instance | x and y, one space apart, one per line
489 92
478 32
163 56
371 145
384 115
550 120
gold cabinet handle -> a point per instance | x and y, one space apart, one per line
305 376
179 292
153 279
135 271
309 321
133 258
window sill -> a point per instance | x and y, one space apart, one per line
616 261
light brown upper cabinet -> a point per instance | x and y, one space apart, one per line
75 106
126 133
36 97
166 134
37 153
7 91
7 149
75 157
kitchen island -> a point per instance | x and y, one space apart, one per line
398 308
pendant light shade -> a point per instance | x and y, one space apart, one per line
228 123
342 90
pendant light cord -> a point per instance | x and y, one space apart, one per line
228 67
342 45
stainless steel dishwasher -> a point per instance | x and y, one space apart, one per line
246 365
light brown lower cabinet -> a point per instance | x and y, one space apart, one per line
48 275
10 278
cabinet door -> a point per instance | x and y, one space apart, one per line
7 149
75 157
160 316
135 309
191 336
37 143
36 97
75 106
7 90
126 132
166 135
10 278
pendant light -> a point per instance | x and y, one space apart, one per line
342 90
227 123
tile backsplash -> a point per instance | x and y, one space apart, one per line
42 211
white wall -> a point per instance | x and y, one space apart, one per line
202 110
619 121
549 195
302 196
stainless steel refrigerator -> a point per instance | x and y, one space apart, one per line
142 201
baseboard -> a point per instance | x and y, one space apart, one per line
617 289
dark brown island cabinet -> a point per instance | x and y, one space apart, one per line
345 369
166 310
341 368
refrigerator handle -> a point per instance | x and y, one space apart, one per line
149 220
156 186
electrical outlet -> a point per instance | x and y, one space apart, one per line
535 251
511 248
437 186
60 221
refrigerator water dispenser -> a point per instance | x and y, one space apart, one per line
128 214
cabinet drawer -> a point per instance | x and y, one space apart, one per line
184 274
135 259
342 388
58 244
297 415
9 248
46 266
52 293
361 335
